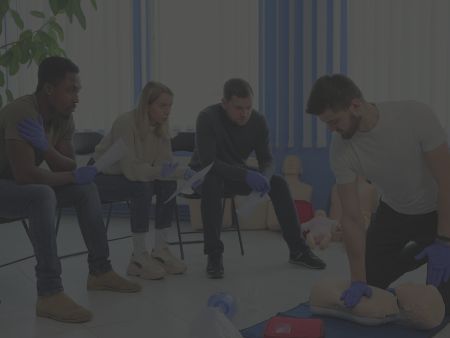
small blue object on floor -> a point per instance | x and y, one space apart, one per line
338 328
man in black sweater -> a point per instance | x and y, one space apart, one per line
226 134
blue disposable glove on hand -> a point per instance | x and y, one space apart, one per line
168 169
257 182
32 130
188 173
438 269
354 293
85 175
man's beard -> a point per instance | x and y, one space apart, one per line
354 125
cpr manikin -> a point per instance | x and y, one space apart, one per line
414 305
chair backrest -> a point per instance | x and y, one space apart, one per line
84 142
184 141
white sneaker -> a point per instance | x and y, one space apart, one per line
146 267
169 262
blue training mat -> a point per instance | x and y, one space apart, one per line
338 328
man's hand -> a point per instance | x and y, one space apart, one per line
85 175
257 182
33 132
354 293
168 168
438 269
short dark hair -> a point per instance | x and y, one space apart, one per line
53 70
334 92
236 87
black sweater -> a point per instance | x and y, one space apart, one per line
228 145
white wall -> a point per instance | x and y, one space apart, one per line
198 45
400 50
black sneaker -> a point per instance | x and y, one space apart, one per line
308 259
214 268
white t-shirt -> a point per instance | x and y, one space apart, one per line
391 156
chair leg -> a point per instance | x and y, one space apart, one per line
180 242
108 216
235 222
58 220
27 229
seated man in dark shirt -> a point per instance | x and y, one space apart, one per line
226 134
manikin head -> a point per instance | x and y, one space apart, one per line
337 101
237 101
58 87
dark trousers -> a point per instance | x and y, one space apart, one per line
214 187
393 239
140 194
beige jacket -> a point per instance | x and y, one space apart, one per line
145 154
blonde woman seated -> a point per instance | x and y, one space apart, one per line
146 170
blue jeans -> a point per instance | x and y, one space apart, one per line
38 203
139 194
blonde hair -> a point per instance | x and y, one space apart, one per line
151 92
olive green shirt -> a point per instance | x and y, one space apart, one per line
27 107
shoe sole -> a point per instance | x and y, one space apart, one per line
50 316
137 273
216 275
167 268
107 288
306 265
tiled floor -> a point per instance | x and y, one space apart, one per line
262 281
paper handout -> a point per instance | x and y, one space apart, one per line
252 201
186 185
112 155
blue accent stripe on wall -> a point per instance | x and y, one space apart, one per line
314 66
269 67
137 41
262 58
344 37
330 49
299 73
283 73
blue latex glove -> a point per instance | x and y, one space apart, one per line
257 182
168 169
85 175
354 293
188 173
32 130
438 269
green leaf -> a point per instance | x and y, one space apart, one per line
79 13
17 19
9 95
70 9
26 35
2 79
57 28
94 4
1 101
14 63
4 8
38 14
54 6
5 59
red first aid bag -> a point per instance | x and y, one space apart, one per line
288 327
